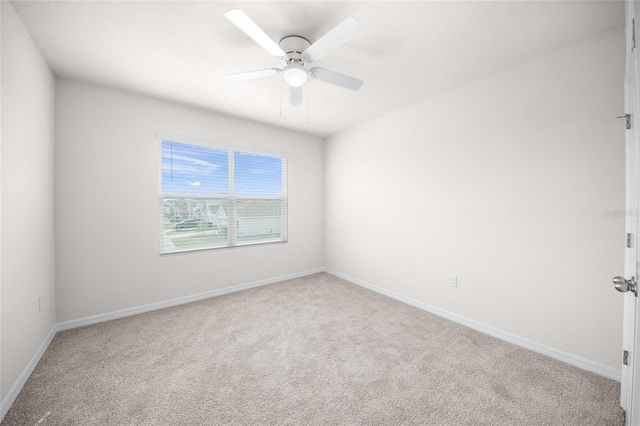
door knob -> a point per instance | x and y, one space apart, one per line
623 285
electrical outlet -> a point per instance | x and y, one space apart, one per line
304 251
40 303
453 281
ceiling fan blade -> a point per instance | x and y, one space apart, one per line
339 35
336 78
295 95
250 28
252 75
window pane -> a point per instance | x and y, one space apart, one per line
193 169
216 197
193 223
258 175
260 220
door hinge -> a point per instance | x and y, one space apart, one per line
625 357
628 240
627 119
633 34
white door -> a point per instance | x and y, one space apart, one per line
630 386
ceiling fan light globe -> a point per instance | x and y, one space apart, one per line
295 75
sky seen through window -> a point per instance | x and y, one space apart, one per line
201 170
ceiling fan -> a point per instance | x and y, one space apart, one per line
297 52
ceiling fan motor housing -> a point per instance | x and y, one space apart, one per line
293 46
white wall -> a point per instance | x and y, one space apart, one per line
27 258
504 182
107 202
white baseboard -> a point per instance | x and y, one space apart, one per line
81 322
8 400
576 361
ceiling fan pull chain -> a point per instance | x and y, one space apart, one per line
280 98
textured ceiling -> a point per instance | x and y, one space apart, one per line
407 51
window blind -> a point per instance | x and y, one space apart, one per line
215 197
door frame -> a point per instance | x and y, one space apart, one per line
630 376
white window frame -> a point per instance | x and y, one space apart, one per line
231 197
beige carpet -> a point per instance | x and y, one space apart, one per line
310 351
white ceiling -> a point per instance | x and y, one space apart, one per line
407 52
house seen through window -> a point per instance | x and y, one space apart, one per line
219 197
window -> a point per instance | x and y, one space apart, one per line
214 197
